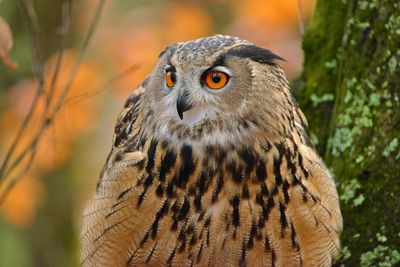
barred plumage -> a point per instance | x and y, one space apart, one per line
234 182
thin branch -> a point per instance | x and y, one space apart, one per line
65 31
34 28
78 62
48 116
33 24
95 91
15 179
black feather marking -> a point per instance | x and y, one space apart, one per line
235 201
260 201
140 165
273 258
242 261
255 53
269 206
275 190
252 235
283 219
191 191
293 237
285 189
114 211
170 189
182 246
277 171
190 228
200 252
197 202
264 189
180 213
249 160
148 181
151 253
267 245
167 163
193 240
245 192
151 153
184 210
290 164
160 190
159 215
220 183
208 236
171 257
236 171
266 208
201 182
141 197
144 239
129 261
261 171
188 166
123 193
182 239
220 61
300 160
141 142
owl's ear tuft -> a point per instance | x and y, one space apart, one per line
163 52
255 53
170 47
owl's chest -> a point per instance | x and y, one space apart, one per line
189 210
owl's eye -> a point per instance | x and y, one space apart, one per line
216 79
170 78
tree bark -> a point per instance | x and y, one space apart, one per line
350 95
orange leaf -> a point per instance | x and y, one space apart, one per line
6 43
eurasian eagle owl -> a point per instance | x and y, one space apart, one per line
211 165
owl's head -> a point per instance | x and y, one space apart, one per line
217 84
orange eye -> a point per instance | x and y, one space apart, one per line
170 79
216 79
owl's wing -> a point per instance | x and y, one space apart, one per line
127 117
300 123
123 169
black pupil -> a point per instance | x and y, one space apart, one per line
173 77
216 78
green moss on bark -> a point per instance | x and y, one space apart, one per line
320 45
352 51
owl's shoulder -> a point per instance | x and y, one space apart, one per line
128 116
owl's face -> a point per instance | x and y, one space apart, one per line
210 82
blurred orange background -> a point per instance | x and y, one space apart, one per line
40 219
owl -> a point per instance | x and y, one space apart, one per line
211 165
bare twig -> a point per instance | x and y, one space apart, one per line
34 28
65 30
33 25
78 62
16 178
8 167
95 91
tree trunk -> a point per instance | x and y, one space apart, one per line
350 94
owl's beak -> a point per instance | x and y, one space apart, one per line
182 104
